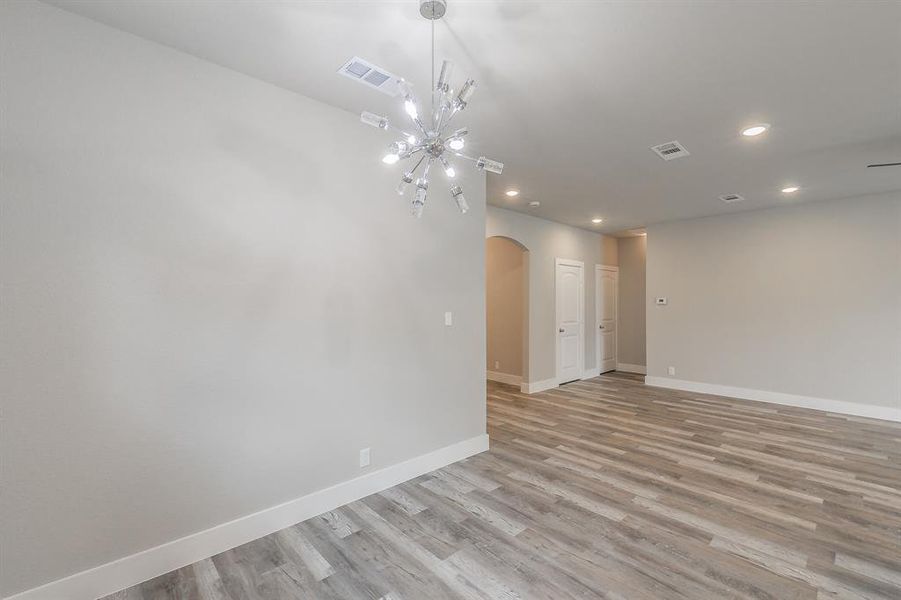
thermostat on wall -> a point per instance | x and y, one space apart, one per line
661 301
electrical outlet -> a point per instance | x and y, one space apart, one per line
671 370
364 457
497 364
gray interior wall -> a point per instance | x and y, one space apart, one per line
802 300
504 292
545 241
212 298
632 255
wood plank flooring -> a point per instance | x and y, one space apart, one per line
604 488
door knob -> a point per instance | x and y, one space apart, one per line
602 326
561 330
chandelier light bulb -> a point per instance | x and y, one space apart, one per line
418 205
390 159
460 199
466 92
448 169
447 69
422 187
410 108
404 88
411 139
492 166
404 181
374 120
399 148
456 139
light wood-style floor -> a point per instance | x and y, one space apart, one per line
604 489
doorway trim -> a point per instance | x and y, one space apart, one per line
567 262
598 296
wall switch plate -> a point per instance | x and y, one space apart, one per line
448 318
661 301
364 457
671 370
497 364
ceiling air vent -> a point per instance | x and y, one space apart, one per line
369 74
730 198
670 150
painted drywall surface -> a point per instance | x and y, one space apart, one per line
610 250
545 241
504 285
801 300
632 298
212 298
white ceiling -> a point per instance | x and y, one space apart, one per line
572 94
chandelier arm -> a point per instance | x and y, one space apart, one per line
439 125
422 128
416 166
412 172
463 156
397 129
449 119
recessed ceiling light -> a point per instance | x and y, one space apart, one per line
512 193
790 190
596 221
755 130
534 203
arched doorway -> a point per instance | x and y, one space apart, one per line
507 310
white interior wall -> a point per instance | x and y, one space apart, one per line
803 300
632 254
212 298
545 241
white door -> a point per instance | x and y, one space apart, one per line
570 319
606 280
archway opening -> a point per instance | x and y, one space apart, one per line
507 310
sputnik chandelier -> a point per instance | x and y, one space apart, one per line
433 140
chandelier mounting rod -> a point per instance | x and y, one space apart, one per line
434 125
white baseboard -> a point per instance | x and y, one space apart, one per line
504 378
836 406
533 387
627 368
136 568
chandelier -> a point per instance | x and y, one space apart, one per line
432 139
